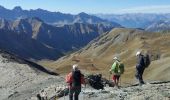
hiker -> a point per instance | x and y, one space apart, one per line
140 67
75 79
117 69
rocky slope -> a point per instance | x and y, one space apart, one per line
97 56
149 91
23 80
30 36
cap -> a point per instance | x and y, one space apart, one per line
115 58
75 66
138 53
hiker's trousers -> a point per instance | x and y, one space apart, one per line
139 74
74 91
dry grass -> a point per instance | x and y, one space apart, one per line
97 56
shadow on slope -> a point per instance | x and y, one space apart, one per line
13 58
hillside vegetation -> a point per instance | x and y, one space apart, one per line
97 56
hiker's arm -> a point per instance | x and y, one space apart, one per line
113 67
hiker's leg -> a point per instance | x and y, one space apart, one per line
118 77
77 92
142 71
137 74
115 80
140 76
76 96
70 94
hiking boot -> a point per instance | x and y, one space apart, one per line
142 83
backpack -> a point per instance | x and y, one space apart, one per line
76 78
95 81
121 68
118 68
147 60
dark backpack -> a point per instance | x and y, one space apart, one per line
76 78
147 60
96 81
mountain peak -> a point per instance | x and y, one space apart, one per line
1 7
17 8
83 14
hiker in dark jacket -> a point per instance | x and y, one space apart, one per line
140 67
75 79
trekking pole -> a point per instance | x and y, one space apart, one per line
120 81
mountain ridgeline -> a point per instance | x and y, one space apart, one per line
159 26
55 18
33 39
135 20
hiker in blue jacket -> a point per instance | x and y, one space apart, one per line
140 67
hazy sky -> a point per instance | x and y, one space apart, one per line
93 6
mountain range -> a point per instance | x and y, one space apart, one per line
159 26
32 38
135 20
55 18
41 34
